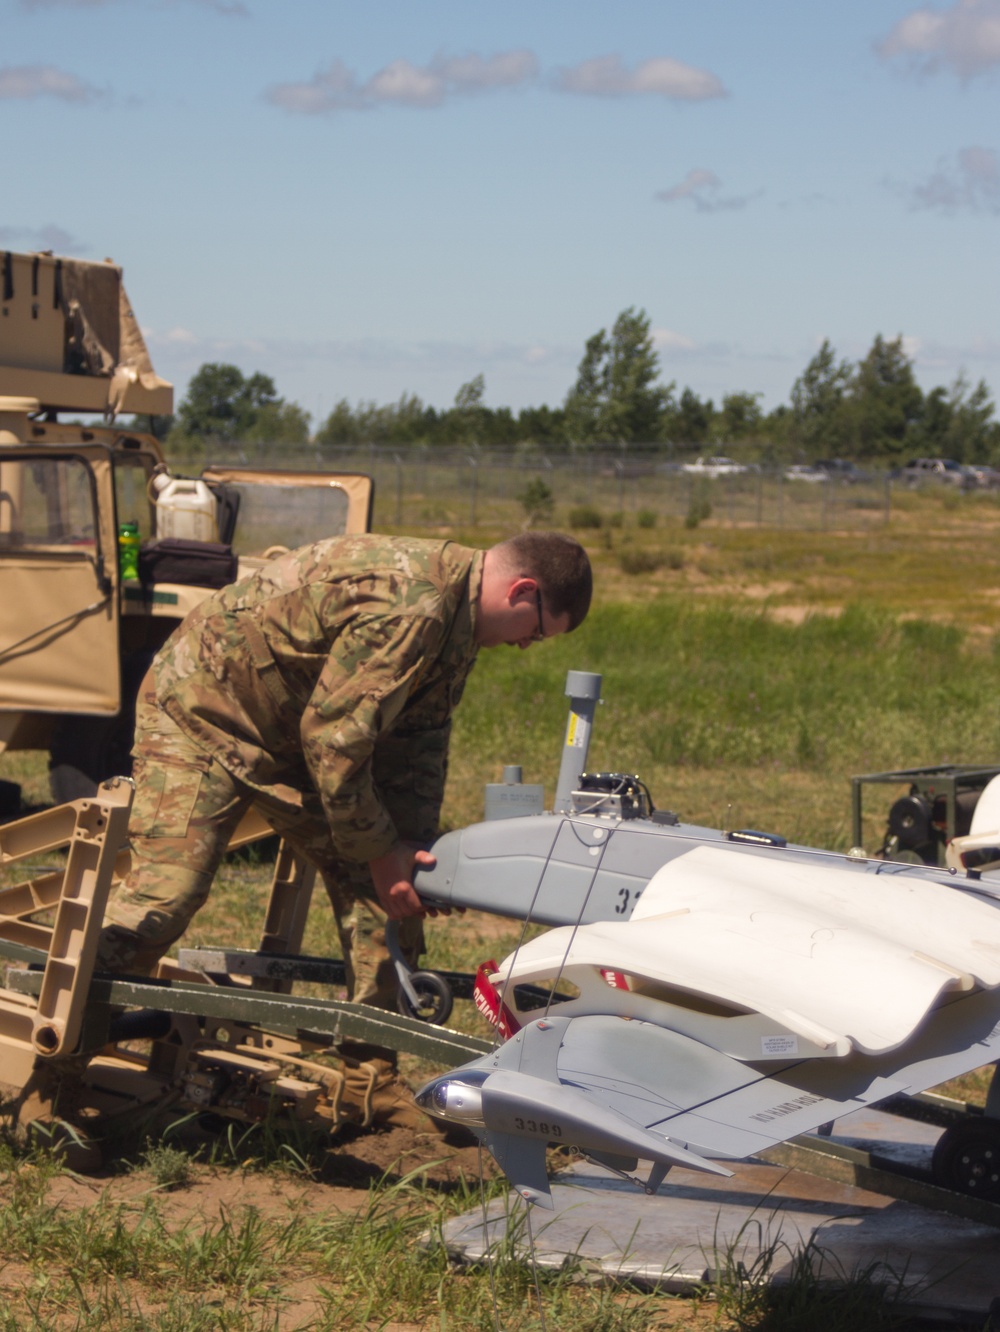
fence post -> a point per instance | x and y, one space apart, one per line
473 463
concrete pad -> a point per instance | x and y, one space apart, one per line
698 1224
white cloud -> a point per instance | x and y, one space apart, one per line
338 88
703 188
665 339
180 337
697 182
969 184
964 38
333 89
406 83
48 237
662 76
23 82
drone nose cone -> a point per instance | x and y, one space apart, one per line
452 1099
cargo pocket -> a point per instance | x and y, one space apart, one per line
164 801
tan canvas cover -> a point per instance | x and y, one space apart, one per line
69 337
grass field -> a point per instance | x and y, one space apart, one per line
748 673
759 670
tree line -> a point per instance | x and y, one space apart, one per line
871 411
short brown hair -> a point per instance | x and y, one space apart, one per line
558 563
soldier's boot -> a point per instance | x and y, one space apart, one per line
375 1094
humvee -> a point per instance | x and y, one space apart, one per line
78 629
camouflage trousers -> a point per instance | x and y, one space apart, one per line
185 809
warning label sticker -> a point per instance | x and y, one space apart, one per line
779 1045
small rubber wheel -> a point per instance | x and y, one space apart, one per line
434 995
967 1159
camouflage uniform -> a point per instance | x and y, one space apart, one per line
321 689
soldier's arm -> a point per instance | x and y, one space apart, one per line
411 764
371 668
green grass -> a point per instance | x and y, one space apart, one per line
125 1264
724 697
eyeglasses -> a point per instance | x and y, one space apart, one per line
539 635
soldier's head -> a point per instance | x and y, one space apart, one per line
535 585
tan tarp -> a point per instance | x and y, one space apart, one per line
88 295
69 338
134 365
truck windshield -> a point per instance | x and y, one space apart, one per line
287 515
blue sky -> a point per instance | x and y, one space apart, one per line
366 199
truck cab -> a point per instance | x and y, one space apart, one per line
78 629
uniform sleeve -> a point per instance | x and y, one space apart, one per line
411 765
369 674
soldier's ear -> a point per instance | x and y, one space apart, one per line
522 589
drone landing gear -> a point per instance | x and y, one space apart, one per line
422 994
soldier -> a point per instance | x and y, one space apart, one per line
321 690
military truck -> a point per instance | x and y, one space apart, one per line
82 615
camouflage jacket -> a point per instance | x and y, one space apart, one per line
298 676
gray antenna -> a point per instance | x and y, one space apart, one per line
583 689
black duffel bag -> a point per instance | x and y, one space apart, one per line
193 563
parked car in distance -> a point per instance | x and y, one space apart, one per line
715 467
986 478
806 472
943 471
839 469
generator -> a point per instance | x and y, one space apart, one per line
937 807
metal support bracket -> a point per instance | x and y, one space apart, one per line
329 1021
867 1170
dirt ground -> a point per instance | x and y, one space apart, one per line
357 1160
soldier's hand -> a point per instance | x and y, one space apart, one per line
392 875
427 860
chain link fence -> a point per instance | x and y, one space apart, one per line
423 487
